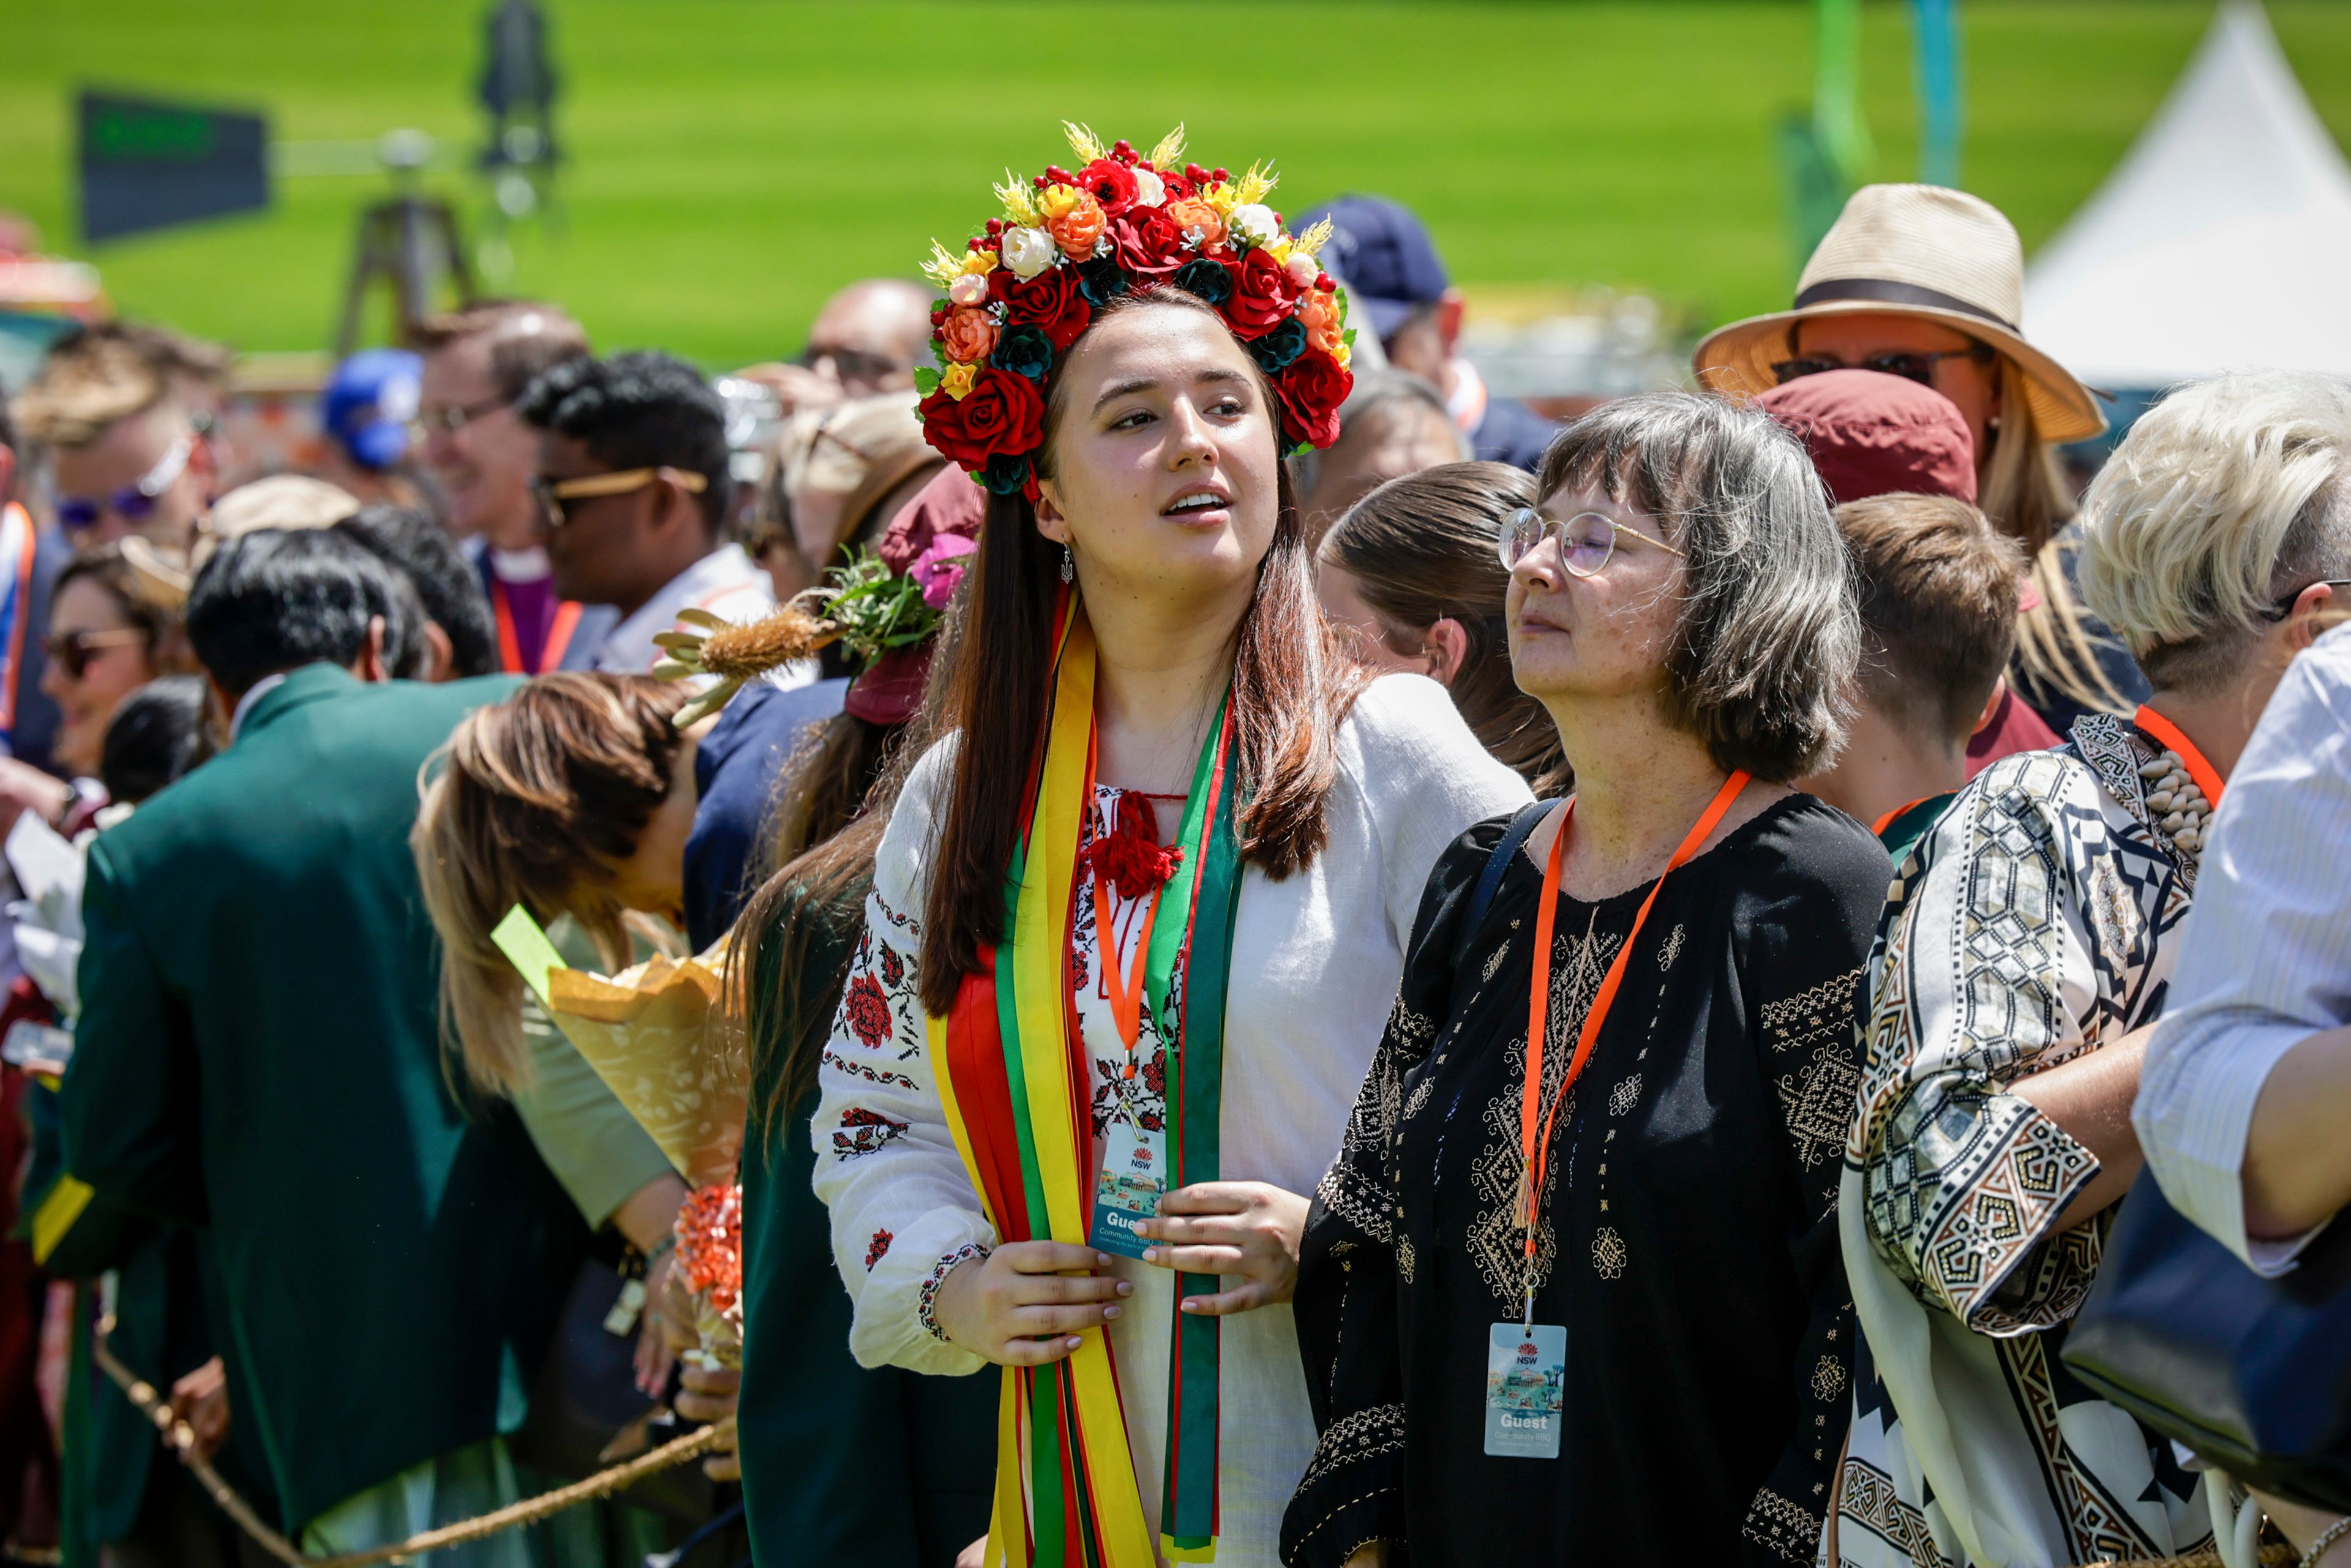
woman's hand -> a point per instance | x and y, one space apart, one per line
24 788
999 1305
200 1399
1245 1227
708 1395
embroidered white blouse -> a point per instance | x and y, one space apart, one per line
1316 961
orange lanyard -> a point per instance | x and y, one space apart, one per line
1537 1152
2207 776
1886 820
1126 990
550 652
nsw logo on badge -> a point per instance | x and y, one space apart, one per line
1526 1389
1130 1187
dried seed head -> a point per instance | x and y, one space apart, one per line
746 652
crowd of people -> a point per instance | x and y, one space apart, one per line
1418 984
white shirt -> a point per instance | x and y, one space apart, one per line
2267 962
727 582
1317 958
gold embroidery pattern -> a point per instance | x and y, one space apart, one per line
1789 1529
1495 1241
1813 1016
1625 1096
1608 1257
1673 947
1828 1379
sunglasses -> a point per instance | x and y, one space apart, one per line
2282 608
1910 367
72 652
853 364
135 502
554 496
450 420
1587 541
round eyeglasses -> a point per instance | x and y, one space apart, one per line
1587 541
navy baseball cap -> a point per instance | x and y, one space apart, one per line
1383 255
367 404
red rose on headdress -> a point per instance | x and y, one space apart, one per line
1110 183
1263 295
1002 412
1147 244
1050 301
1311 392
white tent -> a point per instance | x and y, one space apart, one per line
2222 240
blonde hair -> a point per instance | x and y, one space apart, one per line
2226 495
2022 491
533 801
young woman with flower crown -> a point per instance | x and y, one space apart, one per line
1138 919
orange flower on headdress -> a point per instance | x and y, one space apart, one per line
1192 216
968 334
1074 219
1325 329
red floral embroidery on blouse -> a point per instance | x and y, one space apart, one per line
868 1010
877 1249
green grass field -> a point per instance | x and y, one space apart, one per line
732 161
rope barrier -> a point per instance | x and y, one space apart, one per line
2277 1553
177 1436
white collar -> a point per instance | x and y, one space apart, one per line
727 582
254 693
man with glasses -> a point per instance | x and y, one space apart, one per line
477 361
125 456
867 339
631 485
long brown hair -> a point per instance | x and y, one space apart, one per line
534 800
1292 684
1422 549
831 805
2023 492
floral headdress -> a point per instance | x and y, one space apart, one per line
1068 243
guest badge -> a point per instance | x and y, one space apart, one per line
1526 1384
1134 1177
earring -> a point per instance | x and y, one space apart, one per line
1069 565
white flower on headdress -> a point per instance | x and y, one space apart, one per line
1304 270
1253 225
1028 251
1150 190
970 288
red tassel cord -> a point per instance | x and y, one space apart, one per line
1130 857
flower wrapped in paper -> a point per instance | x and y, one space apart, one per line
657 1034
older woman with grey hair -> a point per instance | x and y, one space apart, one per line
2029 946
1581 1303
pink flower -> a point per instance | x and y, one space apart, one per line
939 570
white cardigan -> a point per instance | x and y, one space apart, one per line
1316 959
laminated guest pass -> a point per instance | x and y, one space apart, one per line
1134 1177
1526 1383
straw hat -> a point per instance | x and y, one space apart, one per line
1912 250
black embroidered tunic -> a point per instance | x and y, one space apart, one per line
1689 1241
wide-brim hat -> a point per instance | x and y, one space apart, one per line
1912 250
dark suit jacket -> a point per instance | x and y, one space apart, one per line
259 1055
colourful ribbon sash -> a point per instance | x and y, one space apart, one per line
1016 1087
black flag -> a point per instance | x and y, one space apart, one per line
146 164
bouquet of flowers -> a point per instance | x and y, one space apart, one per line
656 1034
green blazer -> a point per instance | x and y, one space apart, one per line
259 1055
